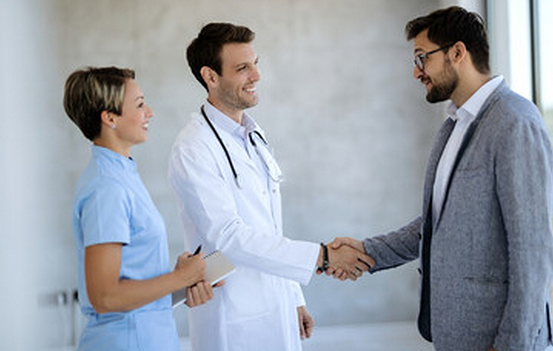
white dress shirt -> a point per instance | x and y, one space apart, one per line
464 116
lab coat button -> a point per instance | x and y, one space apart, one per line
419 270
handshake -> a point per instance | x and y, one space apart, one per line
344 258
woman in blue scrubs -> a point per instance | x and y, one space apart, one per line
125 282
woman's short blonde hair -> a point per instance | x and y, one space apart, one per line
90 91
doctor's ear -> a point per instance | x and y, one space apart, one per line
210 77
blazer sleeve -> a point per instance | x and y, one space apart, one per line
524 178
395 248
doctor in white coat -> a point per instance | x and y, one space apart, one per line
227 185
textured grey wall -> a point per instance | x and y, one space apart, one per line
337 100
349 125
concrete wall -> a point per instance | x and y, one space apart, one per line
349 125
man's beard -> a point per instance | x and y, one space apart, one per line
439 93
236 101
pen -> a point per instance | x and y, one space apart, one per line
197 250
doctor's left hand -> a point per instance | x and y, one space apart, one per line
306 322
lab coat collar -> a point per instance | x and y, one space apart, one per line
228 125
222 121
231 133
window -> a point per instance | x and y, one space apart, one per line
519 35
542 12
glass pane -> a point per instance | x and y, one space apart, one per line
510 43
545 52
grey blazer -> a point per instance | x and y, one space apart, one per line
487 266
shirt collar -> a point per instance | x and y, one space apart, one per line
227 124
113 157
473 105
221 120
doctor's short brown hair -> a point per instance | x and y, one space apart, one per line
450 25
90 91
205 50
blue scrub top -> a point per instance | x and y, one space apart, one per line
111 205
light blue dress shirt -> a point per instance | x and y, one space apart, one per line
111 205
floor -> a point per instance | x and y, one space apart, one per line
367 337
400 336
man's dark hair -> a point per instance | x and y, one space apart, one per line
453 24
206 49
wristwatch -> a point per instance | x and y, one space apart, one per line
324 267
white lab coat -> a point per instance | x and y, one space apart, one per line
257 307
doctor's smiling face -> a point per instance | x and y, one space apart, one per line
236 88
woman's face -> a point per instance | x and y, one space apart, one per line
131 127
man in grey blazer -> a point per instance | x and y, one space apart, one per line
484 235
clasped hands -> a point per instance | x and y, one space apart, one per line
346 259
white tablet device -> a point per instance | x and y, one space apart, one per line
218 267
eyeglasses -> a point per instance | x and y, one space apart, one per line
420 59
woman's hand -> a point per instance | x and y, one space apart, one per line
109 293
190 268
200 293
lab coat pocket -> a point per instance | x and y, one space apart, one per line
156 331
245 297
260 333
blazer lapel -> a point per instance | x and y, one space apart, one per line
441 140
424 312
466 140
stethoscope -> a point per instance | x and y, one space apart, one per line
276 178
